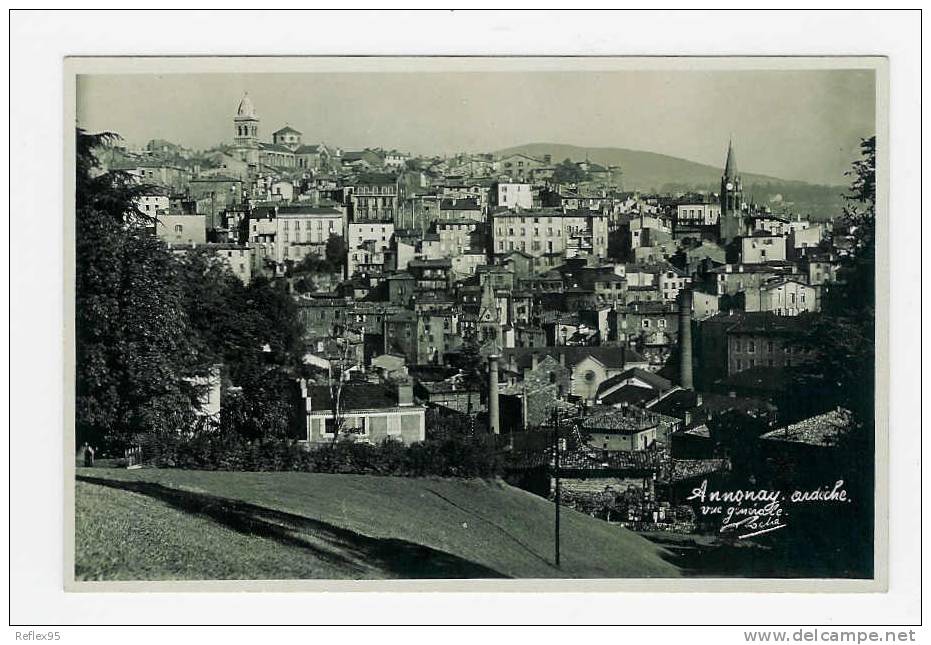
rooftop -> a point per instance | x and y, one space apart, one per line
301 211
355 396
609 356
621 421
547 212
275 147
767 322
821 430
460 204
630 394
653 380
376 179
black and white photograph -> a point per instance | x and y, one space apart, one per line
476 324
381 323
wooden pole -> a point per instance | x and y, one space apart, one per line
556 474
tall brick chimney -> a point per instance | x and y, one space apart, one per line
494 421
685 338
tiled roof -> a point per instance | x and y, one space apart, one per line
274 147
821 430
689 468
613 420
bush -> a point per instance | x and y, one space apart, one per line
213 450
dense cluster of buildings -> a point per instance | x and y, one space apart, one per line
646 314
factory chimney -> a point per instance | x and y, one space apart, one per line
494 421
685 339
384 334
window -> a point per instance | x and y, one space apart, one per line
646 323
769 346
178 228
751 346
329 426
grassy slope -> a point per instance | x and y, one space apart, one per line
288 525
127 536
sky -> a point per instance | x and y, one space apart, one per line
802 125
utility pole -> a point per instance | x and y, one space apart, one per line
556 475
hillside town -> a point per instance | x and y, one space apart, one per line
530 300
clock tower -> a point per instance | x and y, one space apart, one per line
731 222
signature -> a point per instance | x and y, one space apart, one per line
749 513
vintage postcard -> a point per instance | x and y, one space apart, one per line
476 323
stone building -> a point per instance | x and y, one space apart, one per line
375 199
540 232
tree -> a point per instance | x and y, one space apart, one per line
304 284
336 251
843 338
566 172
133 341
860 208
147 322
337 378
473 368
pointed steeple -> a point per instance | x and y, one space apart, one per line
488 307
246 109
730 166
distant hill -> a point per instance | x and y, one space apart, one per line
649 171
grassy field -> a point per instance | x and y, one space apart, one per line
189 525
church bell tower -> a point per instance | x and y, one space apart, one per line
246 132
730 223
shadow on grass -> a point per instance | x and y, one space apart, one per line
338 546
526 547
